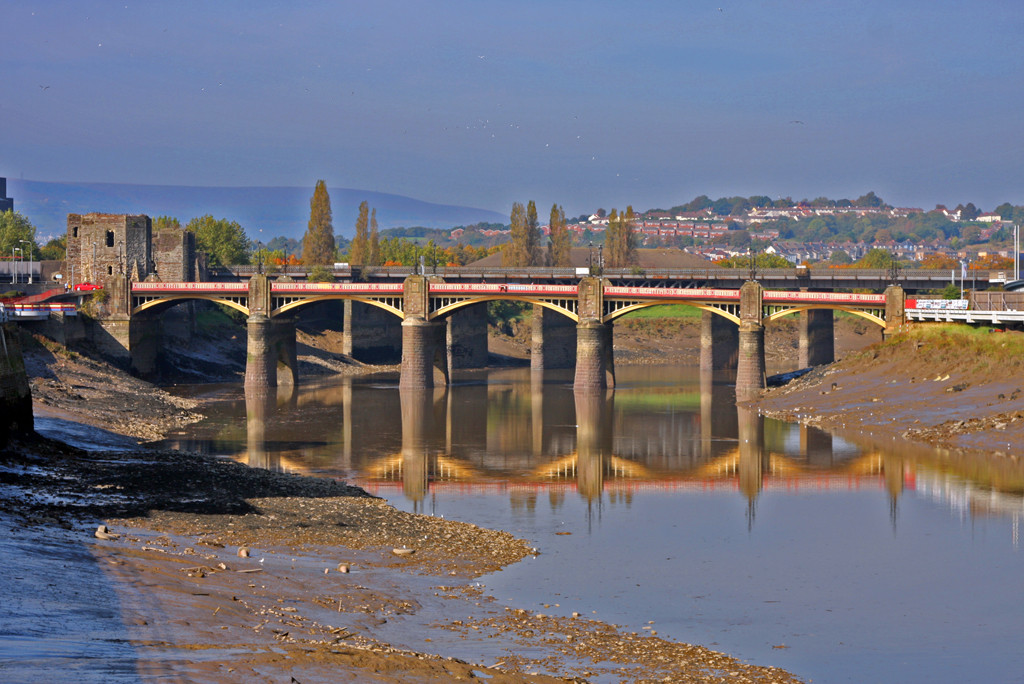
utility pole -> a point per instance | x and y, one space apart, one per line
1016 251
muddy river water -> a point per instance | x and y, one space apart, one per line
661 505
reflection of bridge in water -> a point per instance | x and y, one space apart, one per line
597 464
528 439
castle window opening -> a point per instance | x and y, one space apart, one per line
110 238
74 232
110 270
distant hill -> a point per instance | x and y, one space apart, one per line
275 211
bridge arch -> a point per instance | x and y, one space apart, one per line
636 306
295 305
447 309
865 314
158 305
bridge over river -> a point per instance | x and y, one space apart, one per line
732 332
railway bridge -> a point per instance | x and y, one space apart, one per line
732 332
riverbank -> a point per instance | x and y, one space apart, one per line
950 386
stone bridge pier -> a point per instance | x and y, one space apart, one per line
271 357
750 373
595 360
424 352
553 340
466 338
817 338
719 342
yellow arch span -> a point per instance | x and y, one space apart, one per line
181 298
445 310
856 312
333 297
644 305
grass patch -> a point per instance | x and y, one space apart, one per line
54 348
664 311
950 346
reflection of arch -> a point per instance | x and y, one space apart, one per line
297 303
165 302
877 320
635 306
470 301
566 468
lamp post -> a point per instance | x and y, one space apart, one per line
14 271
600 259
13 250
29 259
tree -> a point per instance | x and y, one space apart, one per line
762 260
876 258
840 257
373 250
560 246
1005 211
523 250
884 235
163 222
533 233
738 238
939 261
318 243
14 227
360 248
54 250
224 242
620 239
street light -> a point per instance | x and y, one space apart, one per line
13 250
29 259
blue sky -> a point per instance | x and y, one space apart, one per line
481 103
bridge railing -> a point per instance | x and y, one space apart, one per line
550 272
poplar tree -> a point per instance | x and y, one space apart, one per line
611 237
517 252
533 234
359 251
373 252
318 243
620 239
560 246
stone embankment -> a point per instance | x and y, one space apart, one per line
944 385
15 397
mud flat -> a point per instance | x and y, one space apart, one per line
325 591
947 386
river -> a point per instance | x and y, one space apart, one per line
662 505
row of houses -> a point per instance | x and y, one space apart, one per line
762 214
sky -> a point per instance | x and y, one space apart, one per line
587 104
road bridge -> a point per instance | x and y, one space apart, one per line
424 303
